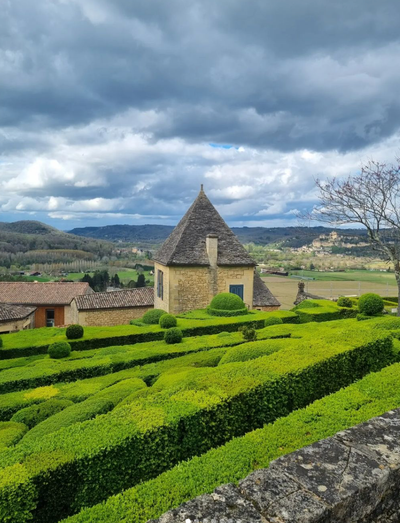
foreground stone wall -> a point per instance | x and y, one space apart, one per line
349 478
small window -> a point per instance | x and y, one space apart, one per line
237 289
50 318
160 284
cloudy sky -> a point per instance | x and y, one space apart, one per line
115 111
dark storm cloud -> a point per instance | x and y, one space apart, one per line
70 62
117 100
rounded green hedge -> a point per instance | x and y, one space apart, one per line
152 317
343 301
362 317
1 342
272 320
74 332
173 335
370 304
59 349
167 321
227 301
35 414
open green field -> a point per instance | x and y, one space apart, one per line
125 275
332 285
123 432
379 277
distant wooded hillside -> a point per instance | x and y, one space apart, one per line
18 239
156 234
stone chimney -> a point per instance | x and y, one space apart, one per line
212 248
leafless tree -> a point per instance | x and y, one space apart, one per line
370 199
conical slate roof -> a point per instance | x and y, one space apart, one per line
262 296
186 245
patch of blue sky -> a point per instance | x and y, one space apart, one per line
223 146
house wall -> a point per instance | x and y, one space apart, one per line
267 309
19 325
71 314
111 317
40 315
188 288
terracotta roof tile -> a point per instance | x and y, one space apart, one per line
42 293
14 312
141 297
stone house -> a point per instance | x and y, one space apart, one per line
52 300
113 308
201 258
15 318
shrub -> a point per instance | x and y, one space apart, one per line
307 304
343 301
74 332
272 320
167 321
152 317
239 457
249 333
35 414
138 323
11 433
1 342
226 301
59 349
173 335
254 350
175 424
370 304
362 317
223 334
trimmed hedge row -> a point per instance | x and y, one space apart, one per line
82 389
35 414
150 333
81 465
10 433
47 371
369 397
99 403
322 310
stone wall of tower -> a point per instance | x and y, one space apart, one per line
186 288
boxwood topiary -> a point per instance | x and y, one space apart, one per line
152 317
370 304
343 301
173 335
272 320
227 304
35 414
167 321
362 317
74 332
227 301
1 342
59 349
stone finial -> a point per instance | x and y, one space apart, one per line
301 286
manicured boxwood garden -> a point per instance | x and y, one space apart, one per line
357 403
36 341
171 421
184 411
